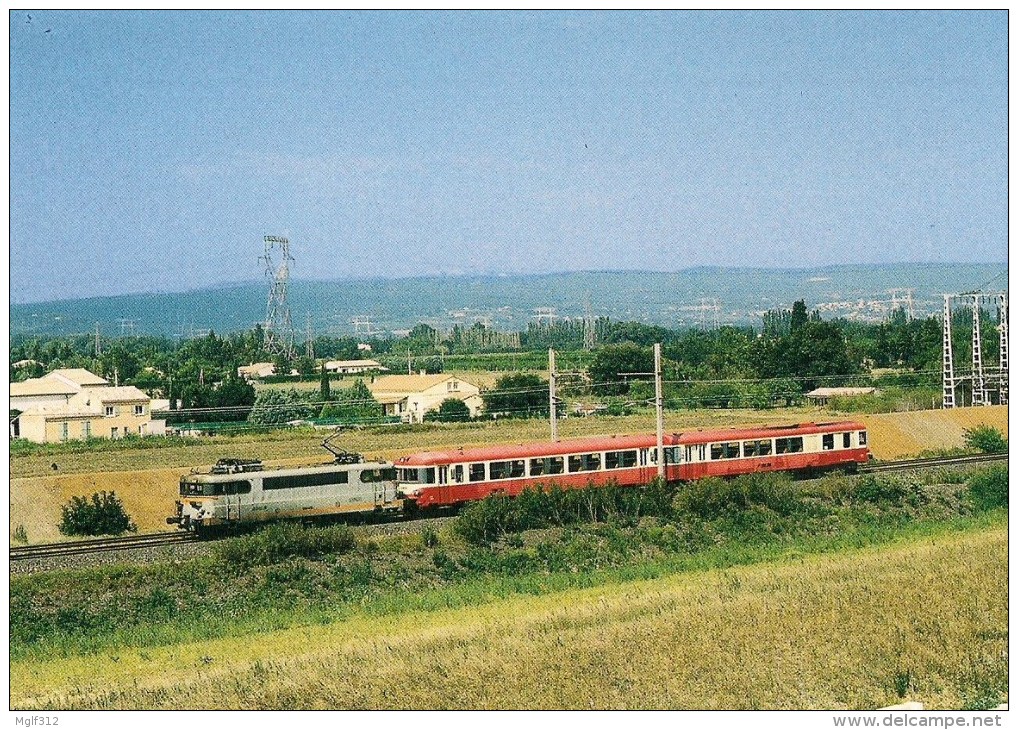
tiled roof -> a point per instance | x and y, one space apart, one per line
79 376
410 383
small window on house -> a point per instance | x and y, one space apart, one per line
86 429
114 433
846 440
110 411
477 472
139 410
63 431
828 441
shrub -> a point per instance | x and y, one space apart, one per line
284 540
714 497
451 410
987 439
988 488
101 514
20 535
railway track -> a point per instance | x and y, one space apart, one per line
932 462
131 542
106 544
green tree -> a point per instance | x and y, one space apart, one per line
274 407
519 395
611 363
326 388
451 409
986 438
355 404
101 514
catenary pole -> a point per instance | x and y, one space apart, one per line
551 395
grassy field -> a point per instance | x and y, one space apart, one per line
922 618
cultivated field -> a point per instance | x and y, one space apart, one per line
146 479
924 619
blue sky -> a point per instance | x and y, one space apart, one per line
152 151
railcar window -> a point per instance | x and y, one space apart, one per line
846 440
457 473
862 438
756 448
584 462
369 476
792 445
725 450
506 469
619 459
672 455
300 481
828 441
477 472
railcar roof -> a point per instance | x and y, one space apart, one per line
287 471
617 443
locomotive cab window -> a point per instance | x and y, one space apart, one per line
791 445
828 441
846 440
862 438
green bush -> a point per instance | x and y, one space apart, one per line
498 516
283 540
713 497
988 488
101 514
987 439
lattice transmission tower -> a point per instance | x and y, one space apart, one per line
948 370
279 337
979 395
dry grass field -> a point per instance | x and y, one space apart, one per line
923 620
146 479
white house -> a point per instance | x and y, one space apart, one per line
354 367
411 396
75 403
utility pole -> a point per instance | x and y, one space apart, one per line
409 369
551 396
659 402
98 344
1002 327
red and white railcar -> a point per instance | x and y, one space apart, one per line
448 478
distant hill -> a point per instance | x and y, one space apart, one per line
685 298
